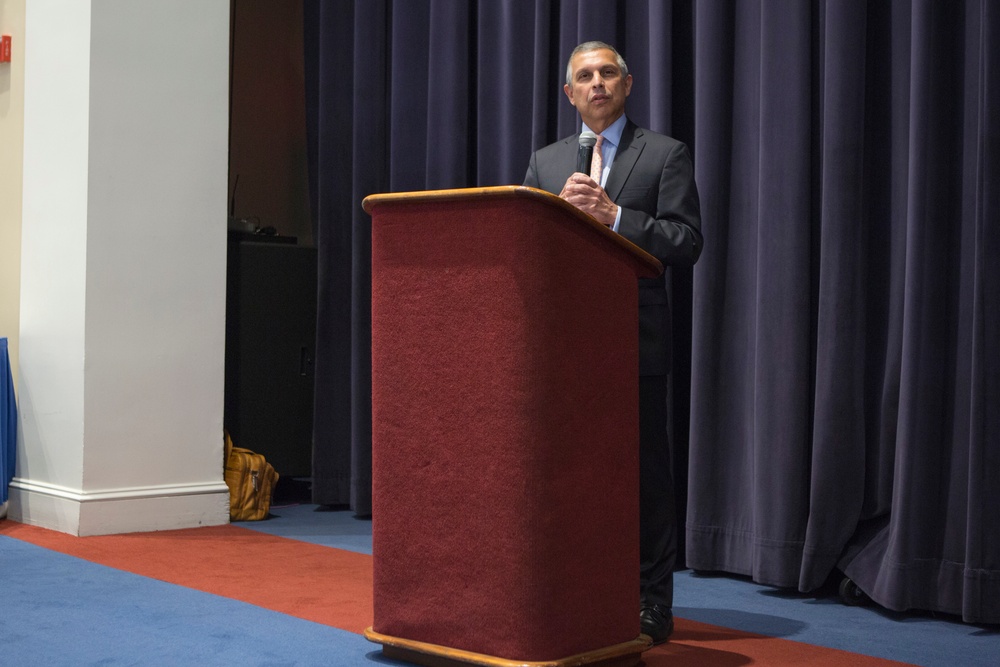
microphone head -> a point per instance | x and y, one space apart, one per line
588 139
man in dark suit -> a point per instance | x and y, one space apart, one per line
645 191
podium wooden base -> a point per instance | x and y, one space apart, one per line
626 654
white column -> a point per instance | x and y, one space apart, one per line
123 262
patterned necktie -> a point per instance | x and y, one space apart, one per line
597 164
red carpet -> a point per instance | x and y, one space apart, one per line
334 587
328 586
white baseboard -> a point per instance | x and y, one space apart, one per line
112 511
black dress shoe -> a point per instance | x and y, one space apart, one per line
657 622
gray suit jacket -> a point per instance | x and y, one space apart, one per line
652 180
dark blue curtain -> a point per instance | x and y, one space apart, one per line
835 397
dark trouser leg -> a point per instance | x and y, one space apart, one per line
657 513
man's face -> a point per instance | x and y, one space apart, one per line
598 90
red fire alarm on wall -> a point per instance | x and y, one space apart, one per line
5 49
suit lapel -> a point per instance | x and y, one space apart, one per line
571 146
625 159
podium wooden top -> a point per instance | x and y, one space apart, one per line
647 266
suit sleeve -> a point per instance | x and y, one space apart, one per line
664 218
531 178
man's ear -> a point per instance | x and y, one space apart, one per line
628 85
569 93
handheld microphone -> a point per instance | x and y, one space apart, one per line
585 154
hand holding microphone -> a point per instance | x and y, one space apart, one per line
581 192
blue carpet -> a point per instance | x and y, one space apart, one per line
57 610
310 523
919 639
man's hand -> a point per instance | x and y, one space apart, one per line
583 192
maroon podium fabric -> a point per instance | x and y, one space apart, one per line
505 424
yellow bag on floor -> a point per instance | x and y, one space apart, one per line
251 481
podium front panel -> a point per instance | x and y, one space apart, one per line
505 430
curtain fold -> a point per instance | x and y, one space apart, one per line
839 272
837 347
330 123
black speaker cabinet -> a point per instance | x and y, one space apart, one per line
270 343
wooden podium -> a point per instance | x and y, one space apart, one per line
505 444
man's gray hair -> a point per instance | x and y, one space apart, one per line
594 46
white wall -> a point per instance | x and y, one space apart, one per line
123 265
157 212
54 240
11 141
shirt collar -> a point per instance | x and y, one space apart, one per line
613 134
